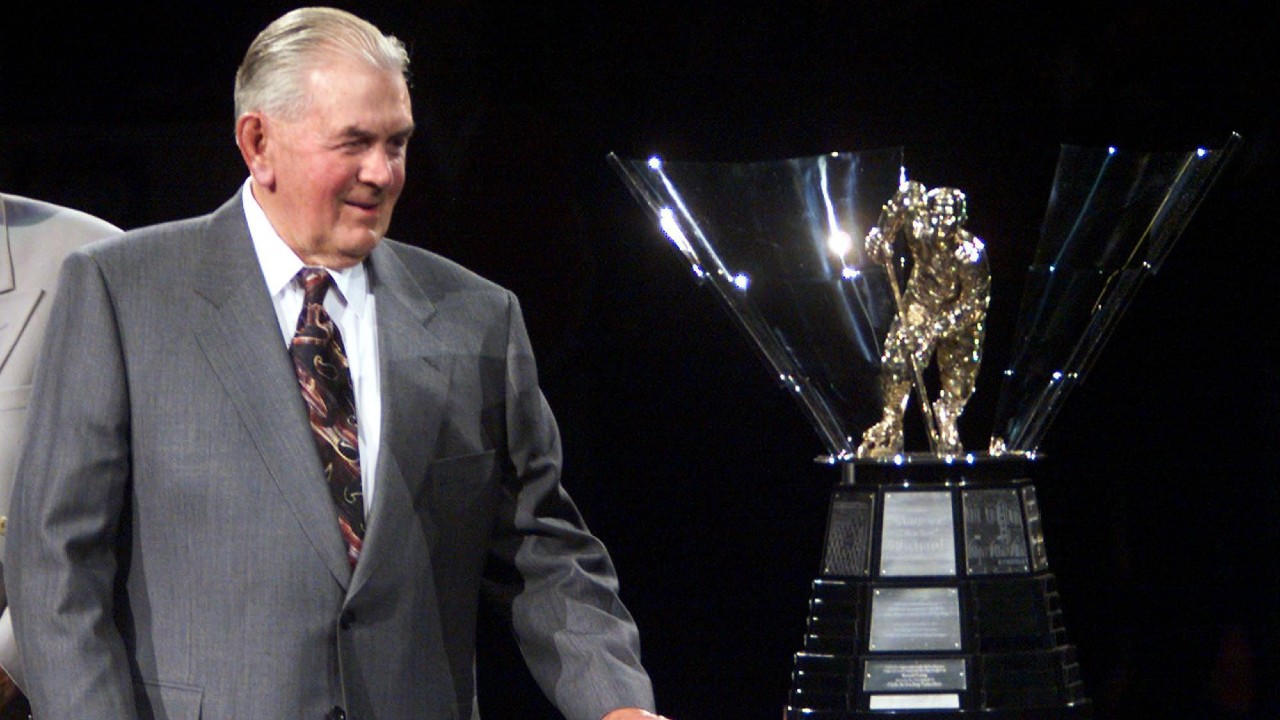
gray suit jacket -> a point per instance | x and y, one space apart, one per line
175 553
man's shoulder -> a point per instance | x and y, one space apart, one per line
171 241
144 240
37 220
439 274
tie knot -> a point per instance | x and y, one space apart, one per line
315 284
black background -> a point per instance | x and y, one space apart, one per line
1160 485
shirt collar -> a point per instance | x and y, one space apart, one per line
280 264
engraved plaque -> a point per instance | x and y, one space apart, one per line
1035 535
942 701
914 675
848 550
915 619
918 537
995 541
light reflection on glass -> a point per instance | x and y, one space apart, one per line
840 243
671 227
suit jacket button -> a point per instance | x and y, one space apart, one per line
346 620
337 713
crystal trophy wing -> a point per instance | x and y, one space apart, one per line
781 245
1113 216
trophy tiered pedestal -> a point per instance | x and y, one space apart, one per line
935 599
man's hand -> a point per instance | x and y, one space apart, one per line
632 714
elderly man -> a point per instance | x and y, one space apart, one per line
272 455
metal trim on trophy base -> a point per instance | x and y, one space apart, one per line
935 599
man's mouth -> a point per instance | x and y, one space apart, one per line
367 206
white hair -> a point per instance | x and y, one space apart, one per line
270 79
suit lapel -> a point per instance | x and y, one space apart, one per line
235 324
7 280
415 369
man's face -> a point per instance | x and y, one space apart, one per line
334 173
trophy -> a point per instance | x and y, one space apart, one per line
866 292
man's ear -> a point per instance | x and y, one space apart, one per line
253 137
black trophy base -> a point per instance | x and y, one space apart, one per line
936 600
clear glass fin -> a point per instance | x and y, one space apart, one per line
1112 218
781 243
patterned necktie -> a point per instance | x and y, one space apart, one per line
320 362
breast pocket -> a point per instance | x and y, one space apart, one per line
459 499
168 701
455 480
14 398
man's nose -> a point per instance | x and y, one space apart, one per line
376 168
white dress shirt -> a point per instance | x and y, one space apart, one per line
352 307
